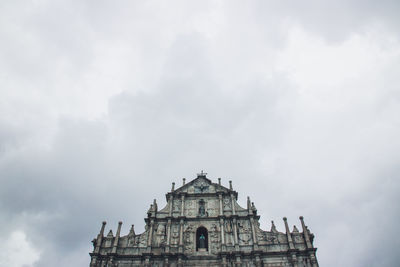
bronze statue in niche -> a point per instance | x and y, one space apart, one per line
201 239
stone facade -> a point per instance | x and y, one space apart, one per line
203 225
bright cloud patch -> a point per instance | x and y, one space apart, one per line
16 251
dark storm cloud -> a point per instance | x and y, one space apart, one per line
105 104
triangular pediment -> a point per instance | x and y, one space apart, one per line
199 185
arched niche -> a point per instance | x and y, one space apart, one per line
201 239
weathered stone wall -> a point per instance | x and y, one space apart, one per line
234 236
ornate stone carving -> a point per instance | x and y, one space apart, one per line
244 233
202 208
190 208
229 232
260 235
175 234
227 204
298 238
160 235
141 240
177 205
201 188
189 238
202 217
271 238
214 238
131 241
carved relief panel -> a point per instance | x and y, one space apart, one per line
188 238
174 234
141 240
212 207
190 208
176 208
227 203
159 235
244 232
191 189
229 232
271 238
214 234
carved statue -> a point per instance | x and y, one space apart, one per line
202 241
202 209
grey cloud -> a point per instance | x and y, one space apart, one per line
186 100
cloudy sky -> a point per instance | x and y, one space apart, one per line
104 103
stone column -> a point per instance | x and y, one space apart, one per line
221 210
238 262
100 238
233 204
313 258
235 233
288 235
181 236
253 230
150 236
224 263
181 224
171 204
166 262
168 235
293 257
115 245
221 222
180 262
147 262
258 261
183 205
305 232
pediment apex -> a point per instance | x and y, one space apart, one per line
201 182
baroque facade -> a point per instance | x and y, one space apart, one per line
203 225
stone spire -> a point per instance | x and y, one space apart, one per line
110 234
100 238
310 247
305 232
253 208
291 245
289 236
155 207
132 231
115 245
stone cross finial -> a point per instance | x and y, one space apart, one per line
202 174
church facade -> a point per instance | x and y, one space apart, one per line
203 225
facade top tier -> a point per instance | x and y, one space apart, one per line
202 224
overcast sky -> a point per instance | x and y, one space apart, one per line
103 104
